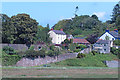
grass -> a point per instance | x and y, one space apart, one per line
60 73
88 61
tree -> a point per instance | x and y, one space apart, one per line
107 37
116 12
8 30
94 16
26 28
42 35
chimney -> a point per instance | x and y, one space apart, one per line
61 29
51 29
116 30
107 30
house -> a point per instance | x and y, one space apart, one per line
57 36
102 46
81 41
70 37
110 35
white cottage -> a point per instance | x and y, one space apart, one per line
58 36
110 35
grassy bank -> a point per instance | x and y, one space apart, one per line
88 61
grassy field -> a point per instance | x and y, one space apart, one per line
59 72
88 61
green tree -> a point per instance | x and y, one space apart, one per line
116 12
26 28
42 34
8 30
107 37
94 16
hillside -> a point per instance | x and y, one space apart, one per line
81 25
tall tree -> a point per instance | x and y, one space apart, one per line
42 34
25 26
8 30
116 12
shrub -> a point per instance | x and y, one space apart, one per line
94 52
72 47
51 53
81 46
77 50
31 47
9 59
8 50
52 47
34 54
80 55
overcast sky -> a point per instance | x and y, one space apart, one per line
52 12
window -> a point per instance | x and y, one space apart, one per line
104 49
112 38
104 44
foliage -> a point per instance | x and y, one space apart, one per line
19 29
107 37
80 55
32 47
42 34
116 42
54 52
72 46
35 54
80 46
88 61
115 51
52 47
94 16
116 12
9 59
80 24
9 50
92 38
77 50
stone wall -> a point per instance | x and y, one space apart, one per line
20 47
39 61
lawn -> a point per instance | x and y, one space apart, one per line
37 72
88 61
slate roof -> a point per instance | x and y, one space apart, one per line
59 32
102 41
115 34
77 40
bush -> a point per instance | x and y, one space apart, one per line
51 53
34 54
9 50
72 47
9 59
77 50
80 55
52 47
81 46
31 47
94 53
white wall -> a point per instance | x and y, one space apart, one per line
107 34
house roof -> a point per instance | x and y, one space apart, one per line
103 41
77 40
59 32
115 34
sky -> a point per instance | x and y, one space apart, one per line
52 12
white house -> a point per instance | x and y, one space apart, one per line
58 36
110 35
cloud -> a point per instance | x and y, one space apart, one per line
101 15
